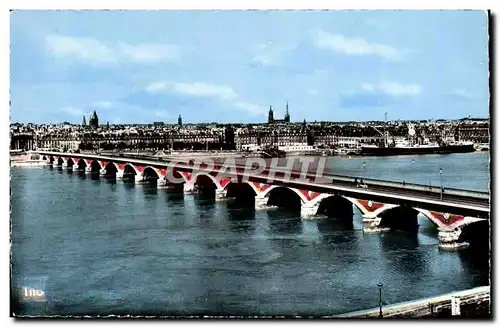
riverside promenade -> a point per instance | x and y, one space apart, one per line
473 303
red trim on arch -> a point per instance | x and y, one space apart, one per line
446 219
261 187
371 206
309 195
224 181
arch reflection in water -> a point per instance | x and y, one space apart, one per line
241 215
204 203
284 222
401 249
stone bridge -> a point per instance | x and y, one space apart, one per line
384 205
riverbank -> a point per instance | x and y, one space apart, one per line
26 159
29 164
472 303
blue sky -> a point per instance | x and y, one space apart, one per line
140 67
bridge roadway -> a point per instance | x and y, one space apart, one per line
454 201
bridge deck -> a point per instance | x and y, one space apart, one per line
391 192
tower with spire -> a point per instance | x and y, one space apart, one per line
287 114
270 117
84 122
179 120
94 120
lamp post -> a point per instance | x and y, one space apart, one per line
441 181
380 299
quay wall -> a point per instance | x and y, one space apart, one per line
473 303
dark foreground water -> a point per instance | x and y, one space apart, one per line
97 246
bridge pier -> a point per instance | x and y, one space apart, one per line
65 165
102 172
161 183
261 203
119 174
76 168
221 195
371 225
139 179
449 238
189 188
88 170
55 164
309 211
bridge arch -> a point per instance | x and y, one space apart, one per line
336 206
110 168
129 170
95 167
149 173
70 162
244 189
317 201
173 176
266 193
285 197
205 180
402 218
81 164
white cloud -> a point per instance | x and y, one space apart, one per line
150 53
83 48
250 108
463 94
393 88
74 111
368 87
202 89
312 92
162 114
196 88
91 50
102 104
270 54
356 46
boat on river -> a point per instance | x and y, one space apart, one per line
414 145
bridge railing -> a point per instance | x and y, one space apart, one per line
412 186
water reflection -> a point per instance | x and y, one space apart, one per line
402 250
137 249
241 218
284 222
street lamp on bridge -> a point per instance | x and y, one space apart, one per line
380 299
441 181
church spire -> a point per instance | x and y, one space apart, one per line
270 117
287 113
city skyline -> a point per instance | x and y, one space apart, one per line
329 66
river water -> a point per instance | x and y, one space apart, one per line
96 246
